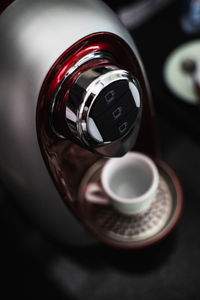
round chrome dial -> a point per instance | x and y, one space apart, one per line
103 110
108 111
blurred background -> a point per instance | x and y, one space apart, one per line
32 266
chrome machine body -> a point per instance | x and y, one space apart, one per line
58 59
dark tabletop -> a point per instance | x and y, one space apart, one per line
33 267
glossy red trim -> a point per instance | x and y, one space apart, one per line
66 160
125 58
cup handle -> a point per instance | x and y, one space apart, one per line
95 194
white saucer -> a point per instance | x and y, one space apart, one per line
177 81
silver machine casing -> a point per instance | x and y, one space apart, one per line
33 35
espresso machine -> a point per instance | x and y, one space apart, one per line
66 69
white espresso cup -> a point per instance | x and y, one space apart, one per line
129 183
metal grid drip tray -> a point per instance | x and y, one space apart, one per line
138 230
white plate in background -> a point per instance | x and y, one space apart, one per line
177 81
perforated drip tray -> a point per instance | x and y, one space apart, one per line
138 230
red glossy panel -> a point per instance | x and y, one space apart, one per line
66 160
